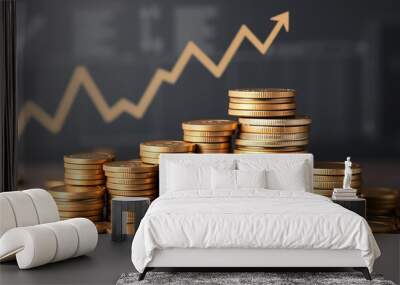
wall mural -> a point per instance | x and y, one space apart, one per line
94 74
82 77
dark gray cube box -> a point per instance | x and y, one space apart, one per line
137 205
358 205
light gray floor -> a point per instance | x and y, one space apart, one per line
103 266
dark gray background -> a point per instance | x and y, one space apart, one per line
342 57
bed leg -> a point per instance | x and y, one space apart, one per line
143 274
364 271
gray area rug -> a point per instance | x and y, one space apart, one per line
229 278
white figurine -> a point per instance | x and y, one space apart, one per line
347 174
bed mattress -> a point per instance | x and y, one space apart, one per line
250 219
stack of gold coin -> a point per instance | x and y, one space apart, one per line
210 136
262 103
103 227
329 175
83 173
79 201
273 135
267 121
85 169
131 178
150 151
381 208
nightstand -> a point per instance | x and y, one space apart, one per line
358 205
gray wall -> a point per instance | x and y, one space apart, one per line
342 57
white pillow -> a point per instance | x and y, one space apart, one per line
251 178
223 179
193 175
227 179
182 177
291 175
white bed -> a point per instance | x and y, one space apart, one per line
248 227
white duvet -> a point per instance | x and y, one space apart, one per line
250 219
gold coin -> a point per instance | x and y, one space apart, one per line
94 219
79 202
130 229
88 158
275 149
384 198
381 227
379 212
273 130
388 219
335 178
129 166
151 196
116 186
295 121
73 207
250 113
154 155
339 184
115 193
150 160
166 146
226 150
383 193
83 171
272 144
149 154
261 100
205 146
132 181
53 183
333 168
131 175
102 227
69 192
83 166
83 182
206 139
77 214
208 134
372 205
323 192
262 107
130 217
262 93
290 149
84 176
210 125
273 137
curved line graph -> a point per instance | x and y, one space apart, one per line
82 77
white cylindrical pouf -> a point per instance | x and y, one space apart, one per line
87 234
23 208
36 245
66 238
7 218
45 205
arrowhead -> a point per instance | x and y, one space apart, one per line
283 19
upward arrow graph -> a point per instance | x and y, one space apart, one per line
81 77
